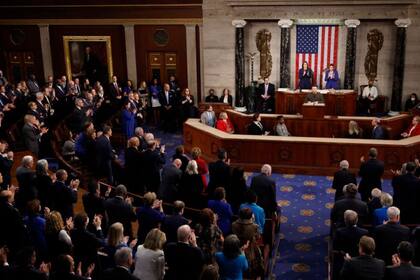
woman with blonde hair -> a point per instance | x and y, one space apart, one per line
150 259
115 240
354 130
201 163
224 124
57 235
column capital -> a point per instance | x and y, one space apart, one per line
238 23
285 23
352 23
403 22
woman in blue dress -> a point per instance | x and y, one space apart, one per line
331 77
128 117
305 76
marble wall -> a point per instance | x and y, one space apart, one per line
219 34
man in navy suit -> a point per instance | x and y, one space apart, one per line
65 196
371 172
265 97
168 101
104 154
378 132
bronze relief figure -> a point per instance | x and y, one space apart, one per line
375 40
262 40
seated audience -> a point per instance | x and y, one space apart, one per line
414 128
190 265
212 97
402 268
380 215
208 117
342 178
224 124
354 130
222 209
171 223
226 97
149 216
232 261
256 127
411 102
150 259
365 266
314 96
280 128
389 235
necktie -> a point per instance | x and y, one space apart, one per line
167 97
266 90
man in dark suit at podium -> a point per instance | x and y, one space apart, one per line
314 96
265 98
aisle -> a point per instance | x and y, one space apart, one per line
306 204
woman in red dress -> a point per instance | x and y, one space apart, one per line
202 165
224 124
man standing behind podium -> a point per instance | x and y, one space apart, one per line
314 96
266 97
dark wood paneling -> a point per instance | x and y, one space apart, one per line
117 44
177 44
94 2
302 155
31 43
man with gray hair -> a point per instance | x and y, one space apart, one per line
25 177
265 189
139 133
371 172
346 240
123 262
184 258
341 178
389 235
171 179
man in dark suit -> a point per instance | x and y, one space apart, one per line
190 265
265 189
341 178
265 97
115 92
256 127
348 202
371 172
389 235
402 268
346 240
365 266
31 133
378 132
171 177
152 161
219 173
33 85
26 182
104 154
407 194
64 270
25 266
173 222
168 101
212 97
64 196
6 163
123 261
79 117
119 209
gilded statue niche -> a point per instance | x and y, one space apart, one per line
262 41
375 40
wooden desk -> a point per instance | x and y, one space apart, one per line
313 111
328 126
341 103
301 155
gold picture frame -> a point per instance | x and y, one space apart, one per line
84 41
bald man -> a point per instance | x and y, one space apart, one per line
171 177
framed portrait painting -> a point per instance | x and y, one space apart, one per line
88 57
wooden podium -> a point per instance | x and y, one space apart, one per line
313 110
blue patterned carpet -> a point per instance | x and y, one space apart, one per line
306 204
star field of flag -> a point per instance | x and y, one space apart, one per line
307 39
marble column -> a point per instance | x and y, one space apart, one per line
285 25
350 70
44 34
130 52
399 63
239 62
191 59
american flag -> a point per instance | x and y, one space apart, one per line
318 45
